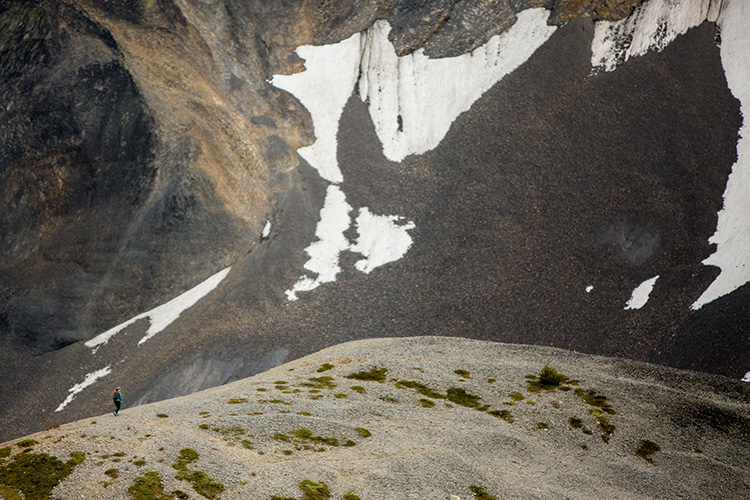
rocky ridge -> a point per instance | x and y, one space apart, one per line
428 417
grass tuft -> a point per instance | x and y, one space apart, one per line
646 450
374 374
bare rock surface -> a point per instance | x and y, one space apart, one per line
443 416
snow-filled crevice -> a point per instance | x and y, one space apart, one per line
412 100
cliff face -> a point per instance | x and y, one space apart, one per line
140 140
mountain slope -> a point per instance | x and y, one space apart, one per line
436 417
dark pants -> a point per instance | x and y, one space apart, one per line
117 404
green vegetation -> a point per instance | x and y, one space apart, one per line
324 382
549 379
148 487
351 496
373 374
462 373
516 396
113 473
504 414
247 444
388 399
139 463
575 423
119 454
426 403
5 452
204 426
420 388
202 483
236 401
9 493
36 474
325 367
606 428
314 491
646 450
490 380
27 443
480 493
542 426
340 395
598 401
358 388
363 432
162 415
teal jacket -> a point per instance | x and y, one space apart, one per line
117 396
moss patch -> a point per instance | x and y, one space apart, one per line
314 491
36 474
374 374
480 493
236 401
27 443
463 373
646 450
325 367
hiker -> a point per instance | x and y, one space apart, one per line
117 398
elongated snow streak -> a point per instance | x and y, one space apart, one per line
746 378
382 239
732 236
162 316
324 252
641 294
87 381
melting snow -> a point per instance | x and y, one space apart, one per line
266 230
589 289
382 239
324 253
732 236
746 378
413 100
162 316
641 294
87 381
653 25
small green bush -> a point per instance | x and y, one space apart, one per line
646 450
5 452
162 415
325 367
374 374
148 487
27 443
113 473
462 373
480 493
359 389
139 463
363 432
549 377
314 491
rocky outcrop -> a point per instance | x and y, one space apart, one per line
428 417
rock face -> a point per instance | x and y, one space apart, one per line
425 417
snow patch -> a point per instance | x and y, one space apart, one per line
652 26
87 381
732 236
324 253
382 239
266 230
641 294
413 100
746 378
324 88
589 289
162 316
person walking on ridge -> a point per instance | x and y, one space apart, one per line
117 398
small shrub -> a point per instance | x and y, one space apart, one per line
236 401
516 396
646 450
374 374
363 432
461 397
542 426
340 396
359 389
147 487
287 452
314 491
325 367
119 454
426 403
27 443
606 428
36 474
204 426
388 399
139 463
462 373
5 452
480 493
575 423
162 415
113 473
351 496
490 380
504 414
247 444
